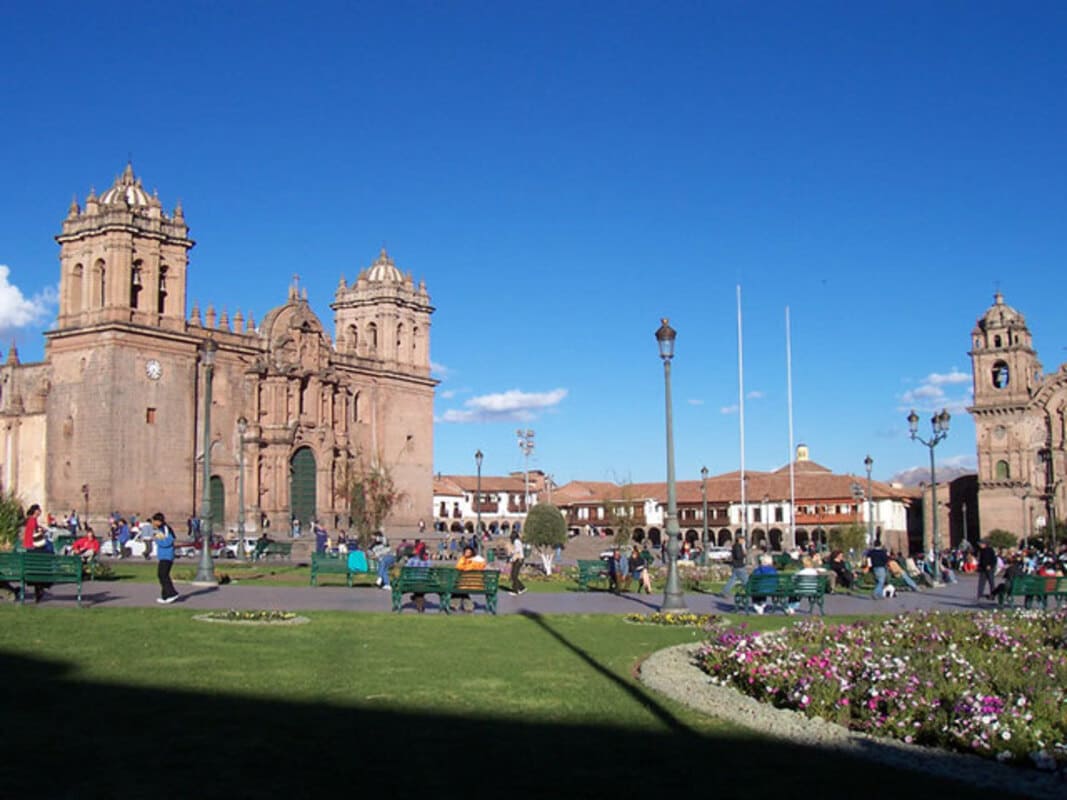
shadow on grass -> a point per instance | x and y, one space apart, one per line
70 738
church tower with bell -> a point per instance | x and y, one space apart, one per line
1018 417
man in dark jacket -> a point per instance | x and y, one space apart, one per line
738 561
987 567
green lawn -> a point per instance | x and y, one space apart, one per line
470 706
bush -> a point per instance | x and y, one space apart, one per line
11 515
852 538
1000 538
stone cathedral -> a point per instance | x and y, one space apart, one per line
1019 417
112 419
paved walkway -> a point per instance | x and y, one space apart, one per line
116 594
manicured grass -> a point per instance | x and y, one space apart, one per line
525 706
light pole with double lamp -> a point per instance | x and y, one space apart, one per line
868 462
1048 459
704 503
939 430
478 500
242 428
205 573
673 599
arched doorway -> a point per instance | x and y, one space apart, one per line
725 538
654 536
302 486
776 539
218 505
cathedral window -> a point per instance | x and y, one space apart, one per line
135 285
161 295
1001 375
1003 471
353 338
372 337
996 341
76 288
101 273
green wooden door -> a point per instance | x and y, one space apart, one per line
302 486
218 506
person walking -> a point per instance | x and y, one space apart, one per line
518 555
878 558
987 568
164 538
738 560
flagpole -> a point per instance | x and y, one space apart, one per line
792 449
741 415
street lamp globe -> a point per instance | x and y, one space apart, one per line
665 336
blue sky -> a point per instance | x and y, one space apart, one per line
563 175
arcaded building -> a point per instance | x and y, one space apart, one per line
112 419
1019 425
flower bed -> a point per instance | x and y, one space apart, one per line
236 617
708 622
994 684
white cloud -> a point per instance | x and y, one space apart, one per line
447 394
512 405
694 401
729 409
940 390
440 370
756 394
16 311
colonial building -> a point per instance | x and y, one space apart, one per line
824 501
1019 417
501 504
113 418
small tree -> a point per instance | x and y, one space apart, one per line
1001 539
618 514
545 530
11 515
851 538
372 496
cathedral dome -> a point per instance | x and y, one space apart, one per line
384 270
1001 315
127 188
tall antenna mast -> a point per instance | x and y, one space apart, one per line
741 413
792 448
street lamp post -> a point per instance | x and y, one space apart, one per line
673 599
242 427
704 503
1050 490
868 462
205 573
526 445
939 428
478 500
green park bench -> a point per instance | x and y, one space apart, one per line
331 564
424 580
780 590
1033 589
326 564
28 568
591 570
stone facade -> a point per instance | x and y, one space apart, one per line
113 417
1019 424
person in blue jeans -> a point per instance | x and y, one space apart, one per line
878 558
738 560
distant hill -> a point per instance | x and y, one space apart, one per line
917 475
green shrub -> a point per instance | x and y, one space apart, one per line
11 515
1000 538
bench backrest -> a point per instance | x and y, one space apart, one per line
1030 584
477 580
809 584
431 579
10 566
46 565
764 584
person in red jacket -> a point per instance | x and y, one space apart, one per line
87 546
33 537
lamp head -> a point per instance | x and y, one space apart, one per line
868 462
665 337
942 421
209 352
242 425
913 423
478 458
704 473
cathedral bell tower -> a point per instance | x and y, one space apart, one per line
123 259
